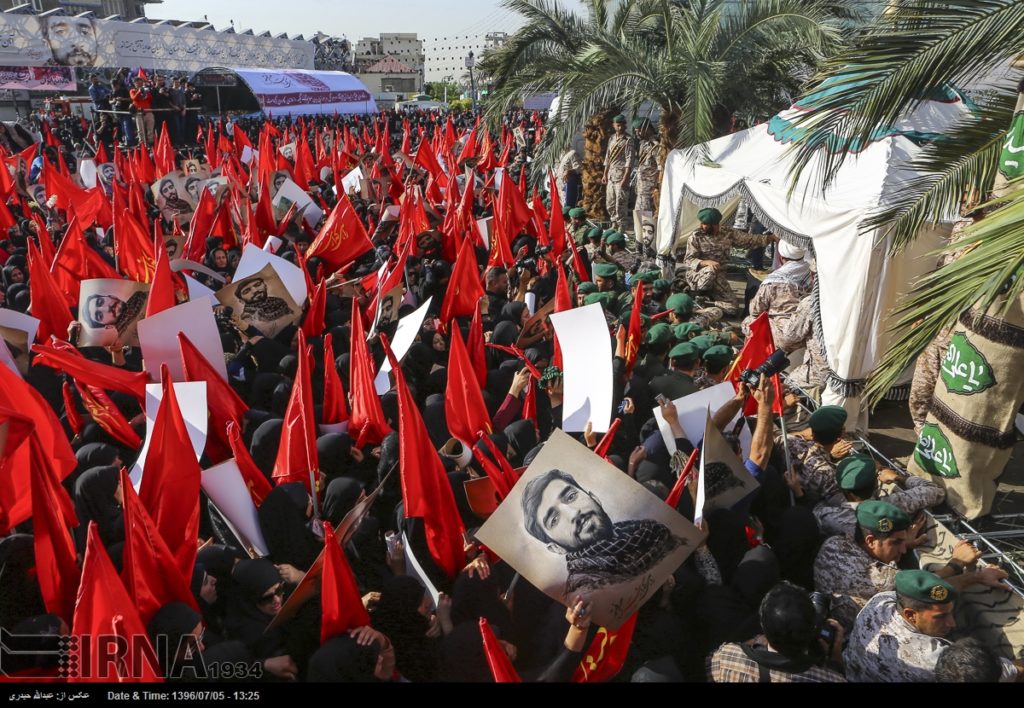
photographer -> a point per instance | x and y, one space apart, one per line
792 648
163 105
142 103
121 102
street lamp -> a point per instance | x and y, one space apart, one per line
470 63
447 80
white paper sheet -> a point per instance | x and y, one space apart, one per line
311 212
272 244
352 181
416 569
13 319
587 358
192 404
226 488
692 411
198 291
252 261
158 337
408 327
87 172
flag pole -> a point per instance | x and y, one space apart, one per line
785 449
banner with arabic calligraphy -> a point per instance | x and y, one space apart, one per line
37 78
27 40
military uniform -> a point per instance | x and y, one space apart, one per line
673 385
814 466
846 571
619 161
716 247
917 495
799 331
648 168
780 300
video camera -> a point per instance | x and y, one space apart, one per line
774 364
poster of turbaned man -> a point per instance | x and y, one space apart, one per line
576 525
262 301
109 311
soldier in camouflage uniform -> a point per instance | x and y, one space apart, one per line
809 451
682 309
799 332
781 292
619 161
707 253
578 225
716 364
899 635
614 252
648 167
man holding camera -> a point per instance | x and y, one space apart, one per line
142 103
791 648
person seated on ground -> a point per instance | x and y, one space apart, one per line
860 479
812 451
900 635
790 650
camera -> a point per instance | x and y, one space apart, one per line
774 364
822 630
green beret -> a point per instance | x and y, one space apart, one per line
661 285
577 213
619 119
718 357
828 421
856 472
607 233
615 239
647 277
687 331
923 586
721 338
552 373
683 350
565 213
709 216
680 303
881 517
658 334
606 300
586 288
639 123
595 232
702 342
605 270
627 314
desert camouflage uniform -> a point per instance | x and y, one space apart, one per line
814 466
647 171
844 570
704 381
619 161
799 331
716 247
707 316
919 494
780 301
884 647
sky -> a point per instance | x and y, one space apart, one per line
352 18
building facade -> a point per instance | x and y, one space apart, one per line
446 56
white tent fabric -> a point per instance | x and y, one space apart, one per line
858 282
303 92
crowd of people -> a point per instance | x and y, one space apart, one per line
811 578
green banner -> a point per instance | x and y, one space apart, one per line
1011 160
965 370
934 453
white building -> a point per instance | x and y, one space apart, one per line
406 47
446 56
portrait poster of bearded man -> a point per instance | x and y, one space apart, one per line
574 524
171 196
262 301
109 311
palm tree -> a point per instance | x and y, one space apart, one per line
914 48
699 64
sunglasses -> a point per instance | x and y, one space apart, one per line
269 597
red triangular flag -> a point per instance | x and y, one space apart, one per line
367 417
335 408
340 601
313 324
225 405
64 357
464 407
56 563
633 332
70 409
258 485
758 347
77 261
497 659
161 292
133 248
47 302
464 286
296 455
342 238
108 416
606 654
164 153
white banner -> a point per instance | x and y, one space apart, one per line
192 404
408 327
226 488
158 337
587 358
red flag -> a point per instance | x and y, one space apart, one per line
106 623
313 324
303 171
57 185
108 416
606 441
224 404
133 248
475 344
758 347
144 170
633 333
367 417
77 261
425 488
47 301
56 563
606 654
469 147
258 485
70 409
677 489
342 238
296 456
203 221
161 292
44 239
335 408
7 219
340 601
464 286
171 480
148 568
558 236
464 405
64 357
497 659
577 262
164 153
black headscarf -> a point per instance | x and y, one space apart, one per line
265 442
339 499
341 660
397 616
285 528
20 596
434 419
505 333
245 621
94 501
334 452
512 312
95 455
522 437
171 622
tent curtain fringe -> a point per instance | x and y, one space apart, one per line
739 190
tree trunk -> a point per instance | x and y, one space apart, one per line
668 128
595 142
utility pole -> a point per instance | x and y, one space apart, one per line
470 63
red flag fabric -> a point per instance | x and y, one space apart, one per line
677 489
425 488
145 172
56 563
47 301
758 347
70 409
296 456
464 407
108 416
341 603
497 659
258 485
367 425
148 568
164 153
475 345
557 230
633 333
606 654
225 405
335 408
577 262
606 442
106 622
64 357
342 238
77 261
464 287
313 324
203 221
161 292
172 479
133 248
